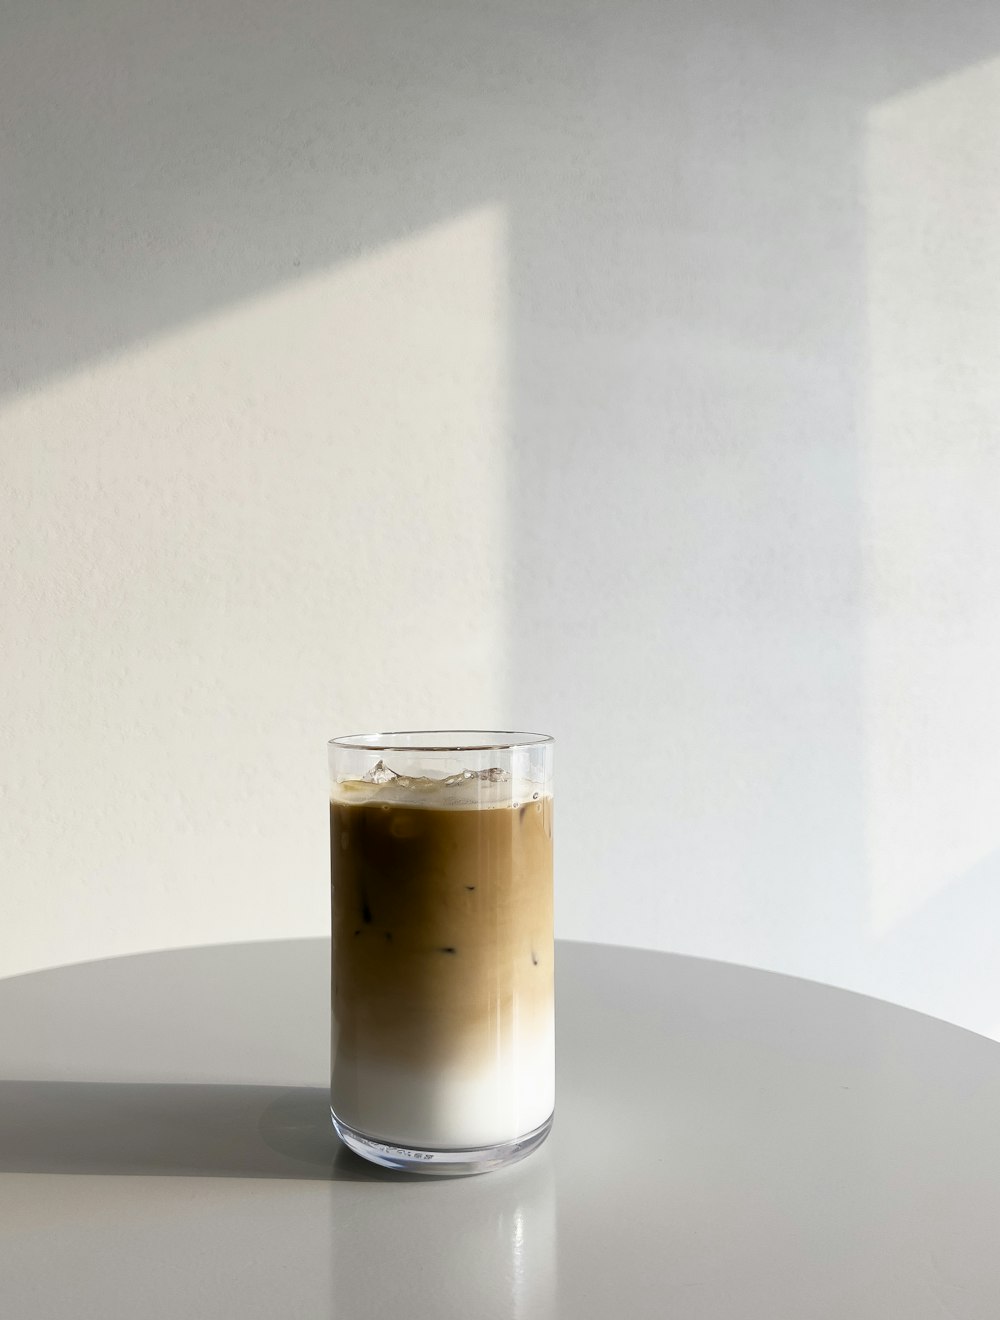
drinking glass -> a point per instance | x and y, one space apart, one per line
442 973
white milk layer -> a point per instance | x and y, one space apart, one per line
451 1107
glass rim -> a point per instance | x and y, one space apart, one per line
459 740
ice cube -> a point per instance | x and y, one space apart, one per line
494 775
380 774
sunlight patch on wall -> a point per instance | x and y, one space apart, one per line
932 489
227 544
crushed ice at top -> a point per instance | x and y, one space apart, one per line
380 773
494 775
492 787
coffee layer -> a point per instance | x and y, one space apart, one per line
442 926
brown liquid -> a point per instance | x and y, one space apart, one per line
442 930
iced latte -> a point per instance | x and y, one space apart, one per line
443 960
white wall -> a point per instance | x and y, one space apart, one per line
624 371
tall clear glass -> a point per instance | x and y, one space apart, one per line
441 895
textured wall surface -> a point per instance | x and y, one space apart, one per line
622 371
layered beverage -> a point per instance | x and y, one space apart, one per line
443 1037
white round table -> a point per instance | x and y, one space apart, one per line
728 1144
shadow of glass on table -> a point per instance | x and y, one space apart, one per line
180 1130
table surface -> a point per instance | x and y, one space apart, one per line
728 1143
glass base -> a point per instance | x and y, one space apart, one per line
448 1163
